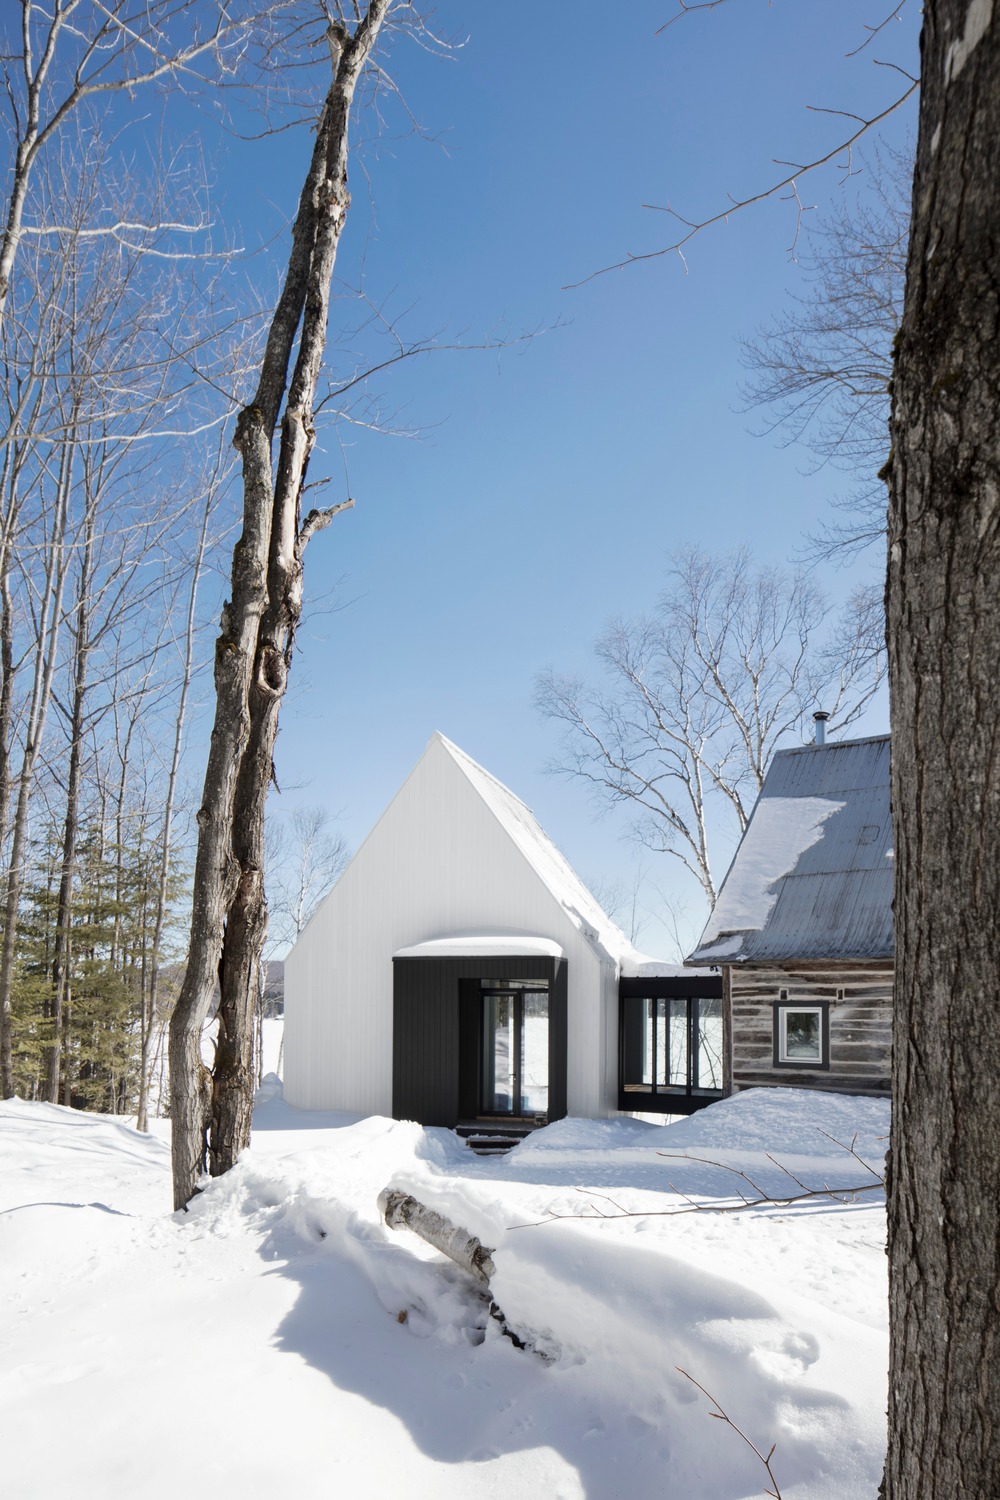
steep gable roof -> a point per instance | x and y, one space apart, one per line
812 877
554 870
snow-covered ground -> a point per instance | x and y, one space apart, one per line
277 1339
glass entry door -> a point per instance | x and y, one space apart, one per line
514 1078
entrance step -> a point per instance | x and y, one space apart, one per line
494 1140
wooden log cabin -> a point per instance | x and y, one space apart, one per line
802 929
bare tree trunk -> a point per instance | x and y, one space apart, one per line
944 639
6 690
149 1004
50 619
254 651
71 822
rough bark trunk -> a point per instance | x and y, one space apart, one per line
944 640
253 655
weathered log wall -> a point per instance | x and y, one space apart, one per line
860 1000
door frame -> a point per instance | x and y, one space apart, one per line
435 1032
517 992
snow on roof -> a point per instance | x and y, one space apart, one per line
484 944
813 875
553 868
641 966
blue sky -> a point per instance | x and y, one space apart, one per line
546 485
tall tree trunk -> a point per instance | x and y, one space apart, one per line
49 621
6 691
163 879
944 640
71 822
253 654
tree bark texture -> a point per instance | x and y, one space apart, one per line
253 655
402 1211
944 642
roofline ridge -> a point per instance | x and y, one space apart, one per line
868 739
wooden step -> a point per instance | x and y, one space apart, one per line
487 1139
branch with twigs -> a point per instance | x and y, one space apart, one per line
721 1415
787 186
758 1198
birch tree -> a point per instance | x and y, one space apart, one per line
699 694
60 58
305 855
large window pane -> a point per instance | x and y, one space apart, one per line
708 1045
670 1046
638 1043
677 1044
658 1010
535 1054
498 1054
515 1049
802 1035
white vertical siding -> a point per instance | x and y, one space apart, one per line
437 862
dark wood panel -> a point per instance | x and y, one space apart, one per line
824 1082
435 1032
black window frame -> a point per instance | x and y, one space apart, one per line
800 1064
666 1099
514 990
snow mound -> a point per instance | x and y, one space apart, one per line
356 1358
795 1122
590 1135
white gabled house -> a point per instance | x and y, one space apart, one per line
459 970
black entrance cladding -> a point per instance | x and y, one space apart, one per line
465 1028
670 1044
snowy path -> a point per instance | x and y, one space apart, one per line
254 1344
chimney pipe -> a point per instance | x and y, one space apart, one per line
819 719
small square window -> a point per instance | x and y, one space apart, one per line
802 1035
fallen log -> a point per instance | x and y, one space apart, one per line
401 1211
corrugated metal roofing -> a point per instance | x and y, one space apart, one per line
813 876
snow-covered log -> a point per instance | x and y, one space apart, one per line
401 1211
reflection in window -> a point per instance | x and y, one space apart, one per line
801 1035
671 1045
514 1066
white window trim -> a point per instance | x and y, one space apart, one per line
782 1009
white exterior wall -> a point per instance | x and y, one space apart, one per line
437 862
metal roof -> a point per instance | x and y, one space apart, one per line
813 876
